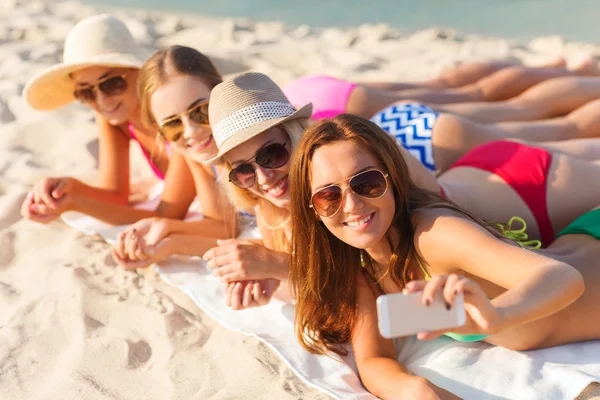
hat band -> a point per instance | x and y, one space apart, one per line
249 116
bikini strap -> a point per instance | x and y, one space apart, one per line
427 276
519 236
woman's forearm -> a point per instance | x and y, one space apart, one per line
114 214
547 291
205 227
190 245
384 376
103 195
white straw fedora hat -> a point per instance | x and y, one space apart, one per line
245 106
100 40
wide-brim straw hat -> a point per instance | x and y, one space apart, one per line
245 106
100 40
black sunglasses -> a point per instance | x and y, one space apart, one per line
110 86
272 156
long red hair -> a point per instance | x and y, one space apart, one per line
324 269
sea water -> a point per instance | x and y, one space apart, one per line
521 19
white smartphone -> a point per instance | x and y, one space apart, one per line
404 315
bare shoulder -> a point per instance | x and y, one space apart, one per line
440 233
440 222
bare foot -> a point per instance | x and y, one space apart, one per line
560 62
586 66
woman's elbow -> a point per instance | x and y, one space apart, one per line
573 278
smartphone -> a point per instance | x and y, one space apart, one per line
404 315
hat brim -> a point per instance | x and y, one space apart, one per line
53 87
256 129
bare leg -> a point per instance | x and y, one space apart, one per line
584 122
459 75
454 136
501 85
548 99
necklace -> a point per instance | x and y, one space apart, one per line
363 263
276 227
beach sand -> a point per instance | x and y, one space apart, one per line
72 324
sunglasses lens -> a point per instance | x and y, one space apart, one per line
171 131
200 114
86 95
327 201
272 156
113 86
243 176
369 184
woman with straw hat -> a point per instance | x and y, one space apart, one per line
100 69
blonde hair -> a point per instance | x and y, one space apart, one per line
245 200
165 63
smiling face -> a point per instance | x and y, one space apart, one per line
361 222
116 108
270 184
172 102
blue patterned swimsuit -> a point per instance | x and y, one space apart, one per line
411 124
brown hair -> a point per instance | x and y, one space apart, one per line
164 63
324 269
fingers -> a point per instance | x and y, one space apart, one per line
236 296
26 206
45 193
127 264
248 295
120 245
450 289
219 261
225 242
229 293
217 252
139 252
414 286
58 191
41 209
261 295
37 212
434 286
131 245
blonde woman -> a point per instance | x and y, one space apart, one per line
174 86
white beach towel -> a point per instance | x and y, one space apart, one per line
470 370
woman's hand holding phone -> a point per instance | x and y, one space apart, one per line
481 316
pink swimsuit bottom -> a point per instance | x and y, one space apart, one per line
329 96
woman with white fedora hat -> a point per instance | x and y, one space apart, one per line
100 69
255 129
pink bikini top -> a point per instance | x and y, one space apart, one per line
154 167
